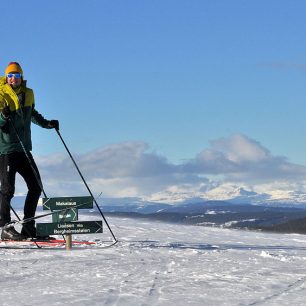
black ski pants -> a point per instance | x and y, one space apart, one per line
10 164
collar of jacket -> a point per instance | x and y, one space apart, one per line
6 88
9 89
4 82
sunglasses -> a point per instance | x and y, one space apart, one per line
15 75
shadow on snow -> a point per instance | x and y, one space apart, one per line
205 246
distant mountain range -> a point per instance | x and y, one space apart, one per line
235 194
219 214
236 208
227 192
275 216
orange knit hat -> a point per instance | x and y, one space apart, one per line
13 67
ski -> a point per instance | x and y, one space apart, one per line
44 243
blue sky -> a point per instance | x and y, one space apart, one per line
168 78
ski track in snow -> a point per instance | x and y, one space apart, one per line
156 263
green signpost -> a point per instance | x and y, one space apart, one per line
71 214
65 218
67 202
69 228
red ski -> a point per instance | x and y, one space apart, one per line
43 243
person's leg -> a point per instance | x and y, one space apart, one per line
34 191
8 168
7 179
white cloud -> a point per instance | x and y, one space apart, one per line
240 148
131 169
241 158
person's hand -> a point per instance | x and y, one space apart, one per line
54 124
6 111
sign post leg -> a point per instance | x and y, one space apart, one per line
68 239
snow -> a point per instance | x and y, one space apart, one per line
278 192
157 263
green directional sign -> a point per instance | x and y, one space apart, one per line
70 214
67 202
73 228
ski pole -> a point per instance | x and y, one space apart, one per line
15 213
34 172
32 167
82 177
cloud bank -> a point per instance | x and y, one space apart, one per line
132 169
241 158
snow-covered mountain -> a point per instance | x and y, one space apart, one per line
280 195
234 193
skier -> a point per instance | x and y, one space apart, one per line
17 109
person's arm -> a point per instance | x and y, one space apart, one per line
38 119
4 112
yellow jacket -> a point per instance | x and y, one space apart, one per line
20 119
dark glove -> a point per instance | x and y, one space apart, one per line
54 124
6 111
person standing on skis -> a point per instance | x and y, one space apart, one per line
17 112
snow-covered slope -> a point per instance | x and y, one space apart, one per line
161 264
